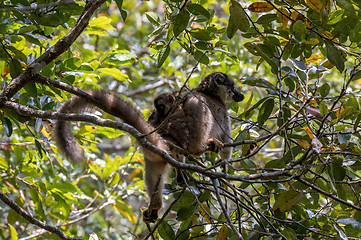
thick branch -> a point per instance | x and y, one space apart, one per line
141 140
52 53
33 220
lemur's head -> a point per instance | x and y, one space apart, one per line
220 86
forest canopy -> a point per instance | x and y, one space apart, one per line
295 168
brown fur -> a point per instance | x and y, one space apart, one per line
192 120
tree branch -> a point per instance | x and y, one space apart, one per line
141 140
33 220
52 53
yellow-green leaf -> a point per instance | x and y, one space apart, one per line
12 232
126 210
314 4
111 165
114 72
101 22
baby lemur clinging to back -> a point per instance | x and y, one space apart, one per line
199 120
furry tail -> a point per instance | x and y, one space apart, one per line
113 105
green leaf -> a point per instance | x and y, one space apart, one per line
112 166
7 125
238 19
336 16
289 233
71 64
355 75
121 57
183 235
202 34
259 82
335 57
204 196
357 121
355 35
286 200
31 170
39 148
163 54
180 22
344 138
15 68
201 57
290 83
255 106
202 45
153 18
63 187
323 109
31 89
108 132
115 179
299 30
324 89
197 9
53 20
185 212
123 13
266 18
265 111
300 65
166 231
114 72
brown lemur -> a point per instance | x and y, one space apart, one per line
197 121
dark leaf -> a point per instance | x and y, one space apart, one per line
300 65
180 22
166 231
265 111
238 19
15 68
202 34
324 89
197 9
335 57
201 57
7 125
163 54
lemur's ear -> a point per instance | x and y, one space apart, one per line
220 78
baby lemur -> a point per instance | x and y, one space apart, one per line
193 120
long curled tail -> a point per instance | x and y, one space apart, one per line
113 105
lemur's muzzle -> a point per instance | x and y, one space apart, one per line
237 96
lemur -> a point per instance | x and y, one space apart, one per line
197 121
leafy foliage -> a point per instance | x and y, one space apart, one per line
295 169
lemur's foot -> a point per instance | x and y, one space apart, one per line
181 178
215 145
150 215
